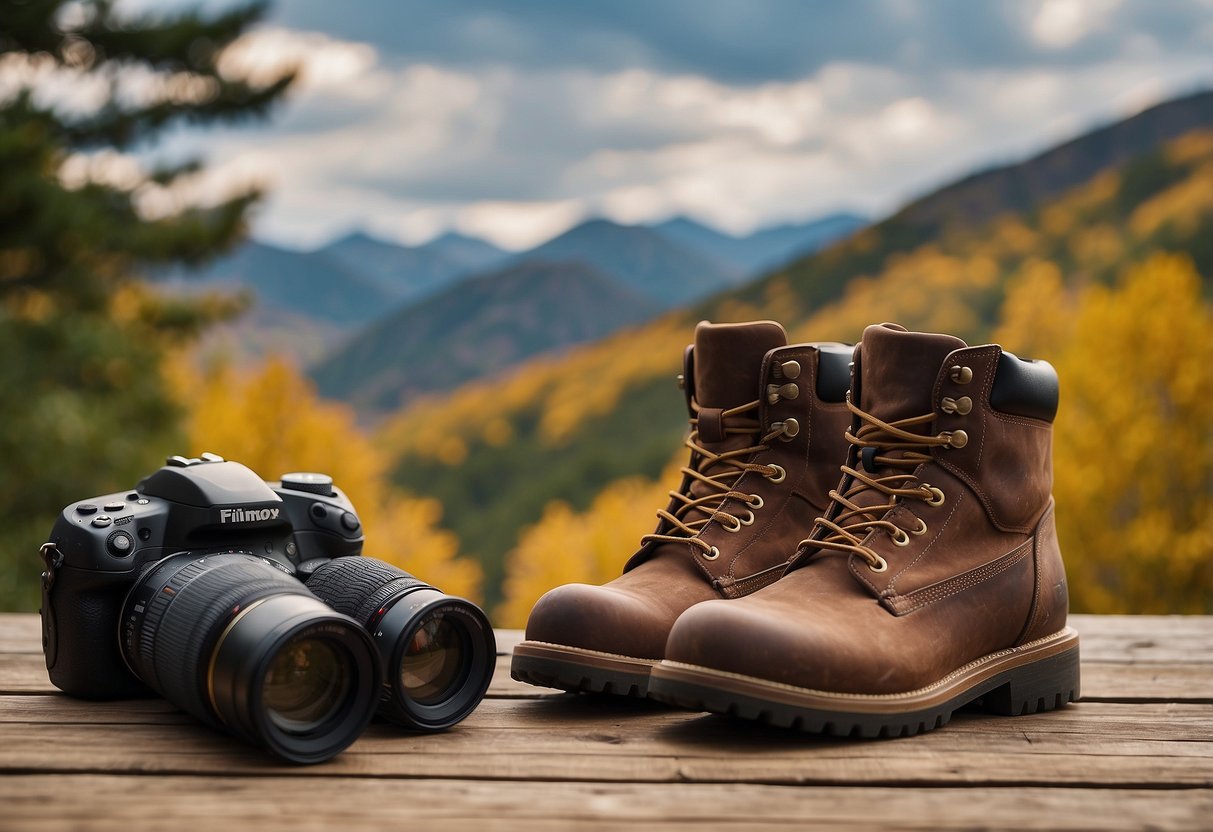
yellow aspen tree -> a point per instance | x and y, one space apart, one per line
587 547
271 419
1133 440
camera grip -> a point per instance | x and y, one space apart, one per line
87 663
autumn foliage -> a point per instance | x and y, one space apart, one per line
566 546
270 419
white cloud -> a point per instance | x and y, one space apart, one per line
322 62
519 224
1061 23
517 155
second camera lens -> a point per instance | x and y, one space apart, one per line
435 660
438 650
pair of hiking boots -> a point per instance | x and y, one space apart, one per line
927 579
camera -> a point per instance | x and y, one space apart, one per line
190 586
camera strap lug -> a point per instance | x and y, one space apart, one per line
52 558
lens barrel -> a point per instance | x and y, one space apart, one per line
438 650
238 642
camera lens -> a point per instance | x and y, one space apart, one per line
237 641
435 661
439 650
305 686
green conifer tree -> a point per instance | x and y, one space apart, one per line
83 405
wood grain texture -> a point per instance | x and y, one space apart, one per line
1101 681
1136 752
107 802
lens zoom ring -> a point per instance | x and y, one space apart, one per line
357 586
187 628
156 607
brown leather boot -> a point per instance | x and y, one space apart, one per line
933 580
767 438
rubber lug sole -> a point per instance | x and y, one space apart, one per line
581 671
1035 677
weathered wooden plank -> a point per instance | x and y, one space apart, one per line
1176 639
1178 722
293 804
20 633
1117 682
1101 681
573 739
1146 638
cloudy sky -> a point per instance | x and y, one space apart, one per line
515 120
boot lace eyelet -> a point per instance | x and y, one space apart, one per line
747 520
936 498
778 475
880 566
961 375
789 430
955 438
711 554
962 406
755 501
922 527
734 527
900 538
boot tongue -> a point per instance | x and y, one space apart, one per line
898 370
728 361
728 374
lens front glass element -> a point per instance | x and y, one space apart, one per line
306 685
435 662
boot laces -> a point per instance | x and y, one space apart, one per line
894 450
718 473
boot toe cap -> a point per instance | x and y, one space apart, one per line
599 618
734 637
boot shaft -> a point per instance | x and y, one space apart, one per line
803 409
979 509
997 409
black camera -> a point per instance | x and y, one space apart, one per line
189 586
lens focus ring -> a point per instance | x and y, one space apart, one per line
358 586
192 603
240 643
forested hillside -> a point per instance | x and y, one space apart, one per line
565 429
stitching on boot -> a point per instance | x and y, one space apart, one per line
892 585
904 604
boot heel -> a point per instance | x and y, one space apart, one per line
1040 686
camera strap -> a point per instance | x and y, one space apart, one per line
52 558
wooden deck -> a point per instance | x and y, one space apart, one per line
1136 752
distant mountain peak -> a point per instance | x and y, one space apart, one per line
649 262
452 236
764 248
356 237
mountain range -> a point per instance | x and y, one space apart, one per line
476 328
763 249
348 308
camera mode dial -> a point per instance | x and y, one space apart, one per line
309 482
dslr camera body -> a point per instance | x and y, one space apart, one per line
100 546
191 586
